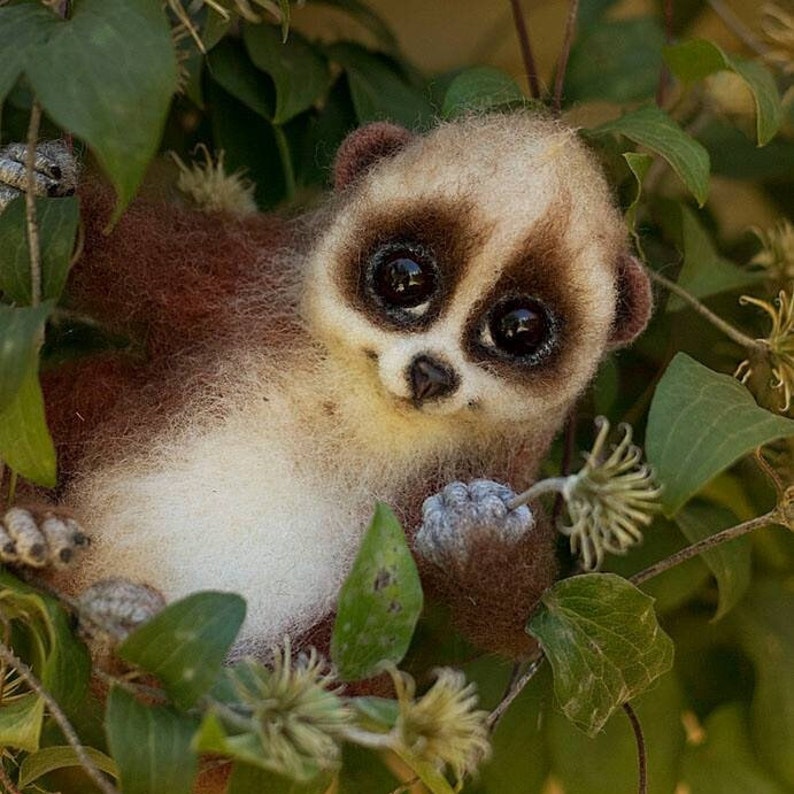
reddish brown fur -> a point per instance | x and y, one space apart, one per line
164 277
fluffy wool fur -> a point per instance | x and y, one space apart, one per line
242 445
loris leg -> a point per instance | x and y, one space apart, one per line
39 537
55 171
488 563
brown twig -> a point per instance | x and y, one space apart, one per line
774 516
642 754
8 785
515 690
565 54
526 49
664 73
26 674
30 205
753 345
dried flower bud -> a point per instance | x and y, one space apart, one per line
779 344
211 189
443 726
609 500
296 712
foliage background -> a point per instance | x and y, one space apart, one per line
722 720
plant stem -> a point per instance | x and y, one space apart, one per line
514 692
753 345
10 658
736 26
286 162
526 49
562 63
664 73
774 516
642 754
6 782
30 205
550 485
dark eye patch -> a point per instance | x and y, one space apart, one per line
530 318
405 263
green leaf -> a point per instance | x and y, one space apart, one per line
726 762
654 129
368 18
607 763
151 745
48 759
616 60
479 89
57 219
20 722
701 422
733 155
729 562
604 644
25 443
379 90
66 670
186 643
107 74
247 779
21 334
299 72
379 603
22 28
704 272
639 164
363 771
57 656
766 633
519 762
249 143
233 71
691 61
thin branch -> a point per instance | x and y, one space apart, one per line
737 27
772 517
30 205
8 785
518 687
565 54
642 754
526 49
664 72
753 345
10 658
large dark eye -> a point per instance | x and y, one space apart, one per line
403 279
520 326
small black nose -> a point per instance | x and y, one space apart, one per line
430 379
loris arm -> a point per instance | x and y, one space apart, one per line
488 563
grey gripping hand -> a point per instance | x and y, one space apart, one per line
460 517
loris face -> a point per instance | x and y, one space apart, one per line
471 276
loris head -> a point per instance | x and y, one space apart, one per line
475 274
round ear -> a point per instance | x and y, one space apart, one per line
635 301
364 147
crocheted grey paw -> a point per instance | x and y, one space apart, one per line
460 518
112 608
55 171
40 538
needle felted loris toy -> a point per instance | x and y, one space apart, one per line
433 323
